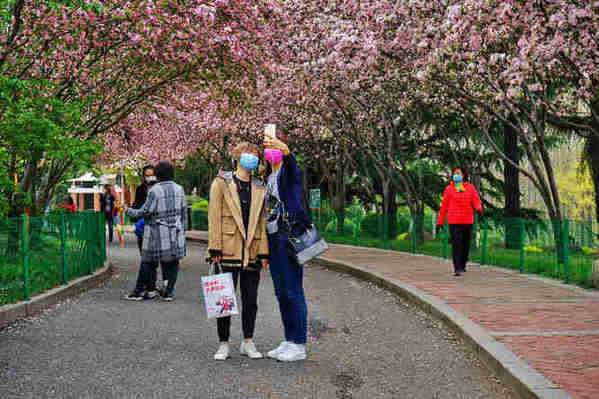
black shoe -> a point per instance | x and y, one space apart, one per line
457 273
168 298
135 296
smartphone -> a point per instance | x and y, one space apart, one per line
270 130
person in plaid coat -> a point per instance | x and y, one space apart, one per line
164 231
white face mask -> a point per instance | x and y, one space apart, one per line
150 179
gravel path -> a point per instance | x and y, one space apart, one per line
363 343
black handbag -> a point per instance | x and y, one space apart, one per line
307 244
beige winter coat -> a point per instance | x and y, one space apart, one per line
226 232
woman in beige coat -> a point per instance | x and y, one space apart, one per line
238 240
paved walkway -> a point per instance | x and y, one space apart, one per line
363 343
554 327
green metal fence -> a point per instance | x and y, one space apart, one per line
39 253
563 249
198 220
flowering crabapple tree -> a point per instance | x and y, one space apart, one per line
512 62
107 58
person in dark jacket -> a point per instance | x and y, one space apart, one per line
141 194
285 212
107 205
459 199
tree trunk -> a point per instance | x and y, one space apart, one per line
417 214
511 189
336 182
392 212
339 198
591 152
340 215
386 182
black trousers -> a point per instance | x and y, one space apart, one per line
151 278
110 222
249 280
461 234
146 277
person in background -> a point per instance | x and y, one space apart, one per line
107 204
238 241
164 232
141 194
286 212
459 200
69 205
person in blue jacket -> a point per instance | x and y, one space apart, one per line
285 212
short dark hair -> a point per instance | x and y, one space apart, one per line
164 171
148 166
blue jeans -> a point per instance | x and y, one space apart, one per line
287 277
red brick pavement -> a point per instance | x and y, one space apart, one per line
508 303
533 316
572 362
554 327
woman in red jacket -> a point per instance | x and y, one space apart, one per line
459 198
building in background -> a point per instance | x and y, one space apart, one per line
85 190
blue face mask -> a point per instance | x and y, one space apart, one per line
457 178
249 162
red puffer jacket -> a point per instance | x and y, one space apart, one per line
458 206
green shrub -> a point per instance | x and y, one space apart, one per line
402 236
348 225
201 205
590 251
531 248
403 222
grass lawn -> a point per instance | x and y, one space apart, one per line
45 266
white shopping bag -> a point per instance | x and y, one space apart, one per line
219 295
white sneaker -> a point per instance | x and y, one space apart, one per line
273 354
294 352
249 349
152 294
222 353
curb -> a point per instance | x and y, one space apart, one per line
512 370
37 304
196 239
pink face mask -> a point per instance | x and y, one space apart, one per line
273 156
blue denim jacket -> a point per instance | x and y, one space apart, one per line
291 192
